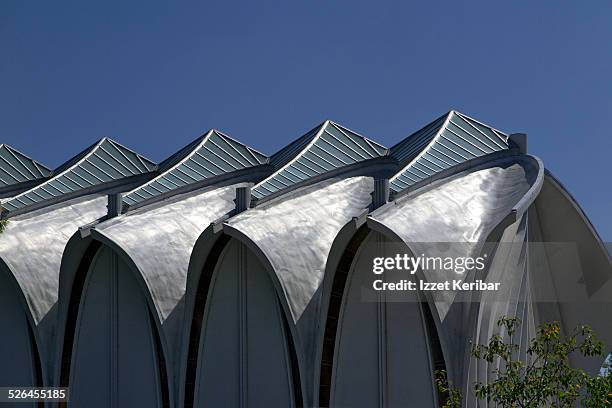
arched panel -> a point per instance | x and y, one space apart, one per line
244 357
20 365
571 267
381 341
116 358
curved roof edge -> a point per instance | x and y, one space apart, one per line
379 167
323 149
466 166
564 191
18 171
103 165
448 141
471 166
211 158
108 241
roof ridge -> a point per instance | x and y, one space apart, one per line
192 152
331 147
128 149
479 122
225 135
74 175
209 156
64 171
460 144
431 142
12 149
311 133
359 134
312 141
406 139
17 169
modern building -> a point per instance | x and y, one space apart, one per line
18 352
223 277
122 281
434 199
253 285
464 190
41 220
18 172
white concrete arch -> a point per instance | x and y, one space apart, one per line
236 311
111 347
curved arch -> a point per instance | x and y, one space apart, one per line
552 180
351 235
574 268
105 239
381 228
20 341
526 185
205 256
282 295
347 249
237 234
78 259
211 245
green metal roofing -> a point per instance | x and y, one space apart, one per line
103 162
16 168
447 141
211 155
327 147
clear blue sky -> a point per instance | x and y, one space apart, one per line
154 76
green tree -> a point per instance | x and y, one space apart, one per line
544 378
451 396
3 221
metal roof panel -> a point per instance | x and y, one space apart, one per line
449 140
325 148
210 155
16 167
104 161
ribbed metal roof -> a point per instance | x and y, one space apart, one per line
211 155
449 140
327 147
103 162
16 167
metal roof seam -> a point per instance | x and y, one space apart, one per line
300 154
89 166
431 143
209 157
174 166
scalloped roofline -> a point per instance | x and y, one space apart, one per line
240 143
367 139
321 129
81 160
138 155
304 150
433 140
259 157
479 122
204 138
447 118
91 150
36 162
